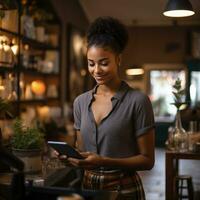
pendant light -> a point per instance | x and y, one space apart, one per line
178 8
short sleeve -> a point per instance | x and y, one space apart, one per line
77 114
143 117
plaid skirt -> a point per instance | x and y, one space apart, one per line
128 184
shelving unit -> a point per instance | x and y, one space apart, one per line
35 60
9 32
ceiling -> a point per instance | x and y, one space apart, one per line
137 12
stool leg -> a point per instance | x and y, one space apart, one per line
181 189
176 189
190 189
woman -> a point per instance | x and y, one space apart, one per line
114 123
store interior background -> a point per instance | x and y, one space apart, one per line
165 48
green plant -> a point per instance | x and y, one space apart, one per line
26 137
5 108
178 93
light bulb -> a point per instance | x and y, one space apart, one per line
14 49
38 87
6 47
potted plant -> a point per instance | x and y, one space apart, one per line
27 144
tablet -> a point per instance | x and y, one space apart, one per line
65 149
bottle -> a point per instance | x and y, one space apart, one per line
191 134
25 56
180 135
170 140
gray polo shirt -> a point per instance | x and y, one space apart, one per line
131 116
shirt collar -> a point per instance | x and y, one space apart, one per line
121 91
119 95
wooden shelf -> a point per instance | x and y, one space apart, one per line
39 101
7 69
32 42
39 45
26 71
9 32
36 73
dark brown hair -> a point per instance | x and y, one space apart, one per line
107 32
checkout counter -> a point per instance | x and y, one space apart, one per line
61 182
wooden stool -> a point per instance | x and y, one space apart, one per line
184 187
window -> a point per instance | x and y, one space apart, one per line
194 87
161 96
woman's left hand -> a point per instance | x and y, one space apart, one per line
92 160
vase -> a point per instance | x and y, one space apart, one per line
181 138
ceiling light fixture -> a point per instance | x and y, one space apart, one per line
135 71
178 8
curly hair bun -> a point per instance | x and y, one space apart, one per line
108 32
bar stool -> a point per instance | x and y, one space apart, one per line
184 187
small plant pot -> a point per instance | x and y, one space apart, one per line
32 159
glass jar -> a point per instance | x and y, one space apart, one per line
193 129
180 135
170 140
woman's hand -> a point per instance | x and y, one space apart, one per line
62 158
91 160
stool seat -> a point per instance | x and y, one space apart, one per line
184 187
182 177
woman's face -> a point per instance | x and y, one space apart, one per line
102 64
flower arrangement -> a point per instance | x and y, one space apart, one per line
178 140
178 93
